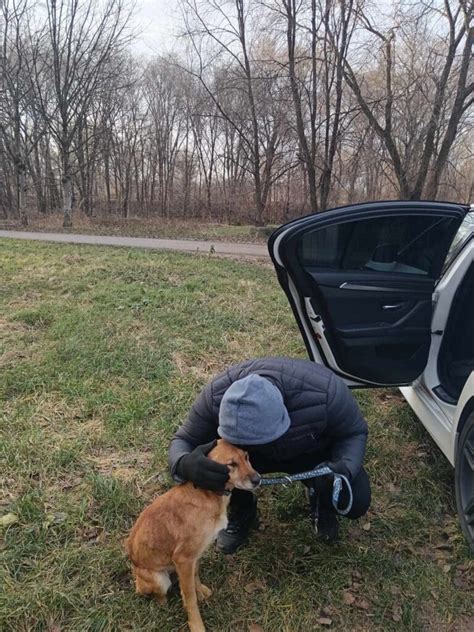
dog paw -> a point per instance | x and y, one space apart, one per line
203 592
161 599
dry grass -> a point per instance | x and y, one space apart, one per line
158 227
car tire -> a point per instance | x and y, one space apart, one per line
464 479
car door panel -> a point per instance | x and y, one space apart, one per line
368 275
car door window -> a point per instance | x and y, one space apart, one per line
463 234
413 245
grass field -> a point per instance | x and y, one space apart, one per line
101 354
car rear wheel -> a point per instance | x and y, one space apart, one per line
464 479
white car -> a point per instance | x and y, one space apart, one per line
383 294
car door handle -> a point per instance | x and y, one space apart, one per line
392 307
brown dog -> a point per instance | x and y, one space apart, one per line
174 531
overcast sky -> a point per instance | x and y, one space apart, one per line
158 21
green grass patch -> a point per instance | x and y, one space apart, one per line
101 354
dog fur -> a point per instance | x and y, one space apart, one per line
174 531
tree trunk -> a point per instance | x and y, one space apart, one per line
67 190
21 194
305 154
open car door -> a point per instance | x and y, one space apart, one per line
360 280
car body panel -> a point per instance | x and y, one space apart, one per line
436 421
465 402
442 422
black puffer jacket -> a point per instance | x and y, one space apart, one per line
325 419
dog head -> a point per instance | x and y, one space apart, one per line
241 473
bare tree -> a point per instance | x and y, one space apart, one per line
444 71
224 27
19 128
76 47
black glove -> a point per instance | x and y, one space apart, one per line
323 484
203 472
338 467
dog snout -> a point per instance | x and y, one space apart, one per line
256 479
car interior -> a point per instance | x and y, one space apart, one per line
372 281
456 357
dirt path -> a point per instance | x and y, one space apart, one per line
184 245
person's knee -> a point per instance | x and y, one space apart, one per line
362 496
359 508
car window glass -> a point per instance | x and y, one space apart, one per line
405 244
466 229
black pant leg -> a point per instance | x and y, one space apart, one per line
362 495
241 500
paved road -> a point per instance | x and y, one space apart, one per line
220 247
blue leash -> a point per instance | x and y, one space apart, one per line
339 481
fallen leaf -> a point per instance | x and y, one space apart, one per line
54 518
461 583
324 621
367 526
306 549
397 614
348 598
362 604
444 546
254 627
254 586
90 533
463 567
60 516
8 519
446 568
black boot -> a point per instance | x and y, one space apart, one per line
328 526
242 518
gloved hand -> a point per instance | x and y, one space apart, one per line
323 484
338 467
203 472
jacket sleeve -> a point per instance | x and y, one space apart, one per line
346 427
199 428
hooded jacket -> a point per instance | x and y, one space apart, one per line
325 419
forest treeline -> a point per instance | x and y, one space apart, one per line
268 108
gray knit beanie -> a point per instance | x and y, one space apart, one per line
252 412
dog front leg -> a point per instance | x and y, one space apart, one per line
203 592
186 570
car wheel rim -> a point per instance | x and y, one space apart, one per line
466 482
